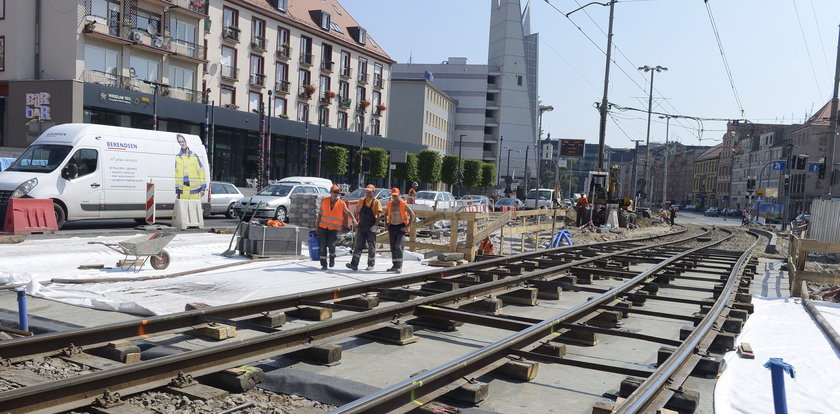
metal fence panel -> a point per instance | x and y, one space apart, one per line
825 221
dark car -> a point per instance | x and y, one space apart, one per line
504 204
711 212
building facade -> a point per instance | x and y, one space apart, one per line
303 73
429 121
705 177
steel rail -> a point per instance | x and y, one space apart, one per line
79 391
407 395
654 390
143 327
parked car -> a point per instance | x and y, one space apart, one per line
383 194
434 200
800 220
542 198
222 198
711 212
474 199
273 201
505 204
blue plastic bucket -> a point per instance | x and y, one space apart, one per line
314 246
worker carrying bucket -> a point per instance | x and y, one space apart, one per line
486 246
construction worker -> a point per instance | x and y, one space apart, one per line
368 210
412 193
330 217
399 217
582 204
486 246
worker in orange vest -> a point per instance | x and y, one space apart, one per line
412 193
399 217
486 246
582 204
329 220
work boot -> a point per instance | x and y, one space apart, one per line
392 268
351 266
397 270
332 261
323 265
369 268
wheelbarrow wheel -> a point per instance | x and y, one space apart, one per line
160 261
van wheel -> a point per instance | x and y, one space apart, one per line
60 216
229 213
280 215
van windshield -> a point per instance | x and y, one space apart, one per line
41 158
544 194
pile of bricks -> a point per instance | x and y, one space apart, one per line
304 210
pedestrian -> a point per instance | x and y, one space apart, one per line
673 211
368 211
582 204
412 193
399 216
330 219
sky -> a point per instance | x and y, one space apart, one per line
781 55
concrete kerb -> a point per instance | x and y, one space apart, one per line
771 240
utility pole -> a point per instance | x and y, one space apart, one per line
635 179
832 138
665 179
652 70
602 128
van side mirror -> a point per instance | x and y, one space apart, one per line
70 171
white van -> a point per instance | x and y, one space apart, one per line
100 172
317 182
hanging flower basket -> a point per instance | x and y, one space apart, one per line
364 104
310 89
381 107
329 94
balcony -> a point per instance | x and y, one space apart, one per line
281 87
194 8
257 80
284 52
187 49
231 34
306 59
363 105
103 25
258 43
345 72
306 92
183 94
109 79
377 81
344 103
327 96
230 72
363 77
327 66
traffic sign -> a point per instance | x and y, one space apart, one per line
814 167
760 192
778 165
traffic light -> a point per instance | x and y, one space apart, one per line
787 181
801 162
751 184
822 170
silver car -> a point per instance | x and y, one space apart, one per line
222 198
273 202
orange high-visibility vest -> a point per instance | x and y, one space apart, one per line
412 194
486 246
403 213
331 218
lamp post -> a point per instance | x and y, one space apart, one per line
361 145
635 162
499 162
652 70
321 122
538 152
460 175
665 179
509 149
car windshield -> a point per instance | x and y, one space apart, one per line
426 195
41 158
544 194
472 197
356 194
506 202
276 190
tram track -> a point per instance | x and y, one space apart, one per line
544 271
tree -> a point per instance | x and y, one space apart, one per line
378 162
336 162
428 166
449 170
488 175
547 180
407 170
472 173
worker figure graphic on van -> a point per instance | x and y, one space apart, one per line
190 183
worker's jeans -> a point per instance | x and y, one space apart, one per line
396 237
362 238
327 238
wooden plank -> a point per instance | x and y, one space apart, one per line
818 277
490 228
811 245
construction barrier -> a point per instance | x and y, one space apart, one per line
150 203
188 213
30 215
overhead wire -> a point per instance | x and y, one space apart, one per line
723 56
819 33
807 50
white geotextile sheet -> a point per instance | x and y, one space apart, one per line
782 328
37 262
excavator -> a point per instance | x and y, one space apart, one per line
607 204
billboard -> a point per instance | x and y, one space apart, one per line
572 147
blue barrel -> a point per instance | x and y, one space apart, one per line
314 246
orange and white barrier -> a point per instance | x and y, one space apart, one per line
150 203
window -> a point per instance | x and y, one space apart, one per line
302 112
283 41
184 34
228 62
304 78
181 77
362 36
254 99
282 71
324 85
342 120
305 50
326 57
325 20
230 18
226 95
375 125
363 69
258 33
280 107
257 72
343 90
145 69
376 98
361 94
518 80
99 59
85 160
336 27
324 115
377 75
281 5
148 22
345 63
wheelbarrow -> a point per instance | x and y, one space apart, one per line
142 249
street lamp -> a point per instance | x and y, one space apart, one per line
665 179
460 175
538 152
652 70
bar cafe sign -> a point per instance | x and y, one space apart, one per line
37 106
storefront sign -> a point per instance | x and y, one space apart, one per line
113 97
37 106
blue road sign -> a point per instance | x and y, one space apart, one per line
778 165
814 166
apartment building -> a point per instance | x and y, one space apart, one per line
429 121
705 177
301 72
